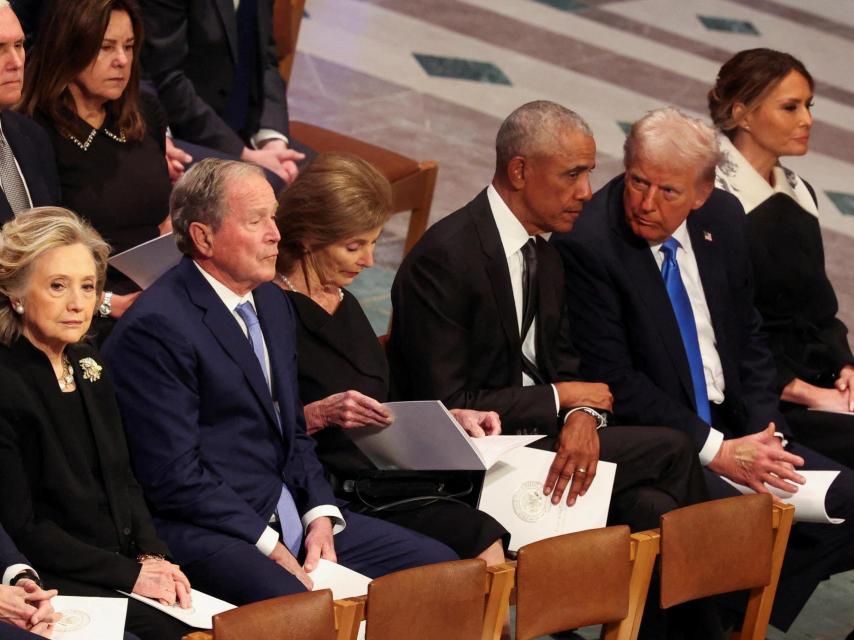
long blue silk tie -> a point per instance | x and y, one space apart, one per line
286 508
687 326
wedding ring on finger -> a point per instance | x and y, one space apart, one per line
580 470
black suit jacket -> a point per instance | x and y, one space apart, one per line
48 506
190 54
34 153
626 330
454 331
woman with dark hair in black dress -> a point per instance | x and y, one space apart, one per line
761 104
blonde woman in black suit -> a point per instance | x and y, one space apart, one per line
70 501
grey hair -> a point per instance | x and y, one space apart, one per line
200 196
667 135
533 129
25 239
6 3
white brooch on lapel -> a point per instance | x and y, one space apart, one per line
707 236
91 370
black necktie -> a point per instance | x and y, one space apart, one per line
529 286
529 304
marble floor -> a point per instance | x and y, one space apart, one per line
433 79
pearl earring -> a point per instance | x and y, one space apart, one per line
19 308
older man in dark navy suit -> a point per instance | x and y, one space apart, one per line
660 259
27 167
206 377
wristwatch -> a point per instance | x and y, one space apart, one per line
26 574
601 417
106 308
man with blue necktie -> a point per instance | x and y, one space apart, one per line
206 376
668 322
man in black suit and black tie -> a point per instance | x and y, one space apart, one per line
672 329
27 167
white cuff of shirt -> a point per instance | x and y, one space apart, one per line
267 134
14 570
557 400
711 447
330 511
267 542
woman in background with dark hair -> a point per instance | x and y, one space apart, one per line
761 103
82 85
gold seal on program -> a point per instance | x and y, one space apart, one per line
529 503
73 620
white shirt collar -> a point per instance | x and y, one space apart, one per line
230 299
513 235
736 175
681 236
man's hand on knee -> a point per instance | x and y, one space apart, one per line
319 543
575 460
758 460
285 559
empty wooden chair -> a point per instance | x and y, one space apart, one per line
722 546
444 601
579 579
412 182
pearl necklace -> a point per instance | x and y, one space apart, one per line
66 380
290 285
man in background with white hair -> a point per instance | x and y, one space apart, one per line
27 167
660 258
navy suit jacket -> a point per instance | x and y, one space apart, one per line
9 553
454 331
200 420
625 329
34 153
190 54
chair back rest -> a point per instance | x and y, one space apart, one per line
301 616
573 580
287 18
716 547
443 601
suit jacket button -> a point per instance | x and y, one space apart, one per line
126 531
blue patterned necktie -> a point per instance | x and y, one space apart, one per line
687 327
286 508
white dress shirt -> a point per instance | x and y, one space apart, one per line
712 368
13 570
513 237
267 542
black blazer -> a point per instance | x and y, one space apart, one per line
49 507
454 331
337 353
626 330
34 153
190 55
793 293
